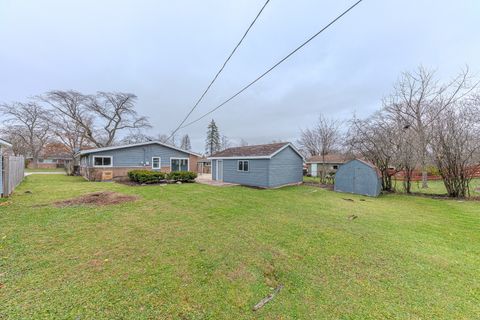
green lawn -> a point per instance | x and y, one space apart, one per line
434 186
200 252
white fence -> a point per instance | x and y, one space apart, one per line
13 173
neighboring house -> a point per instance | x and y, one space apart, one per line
53 155
359 177
332 163
117 161
266 166
204 166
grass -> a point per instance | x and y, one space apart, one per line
434 186
45 170
200 252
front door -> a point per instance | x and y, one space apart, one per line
220 170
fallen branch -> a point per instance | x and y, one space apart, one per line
267 299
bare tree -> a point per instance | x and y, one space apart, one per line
12 135
101 117
71 123
456 146
136 137
224 143
406 154
28 123
185 144
243 143
115 112
322 139
376 140
419 100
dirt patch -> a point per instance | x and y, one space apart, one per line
319 185
103 198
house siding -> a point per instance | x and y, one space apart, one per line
138 156
359 178
214 169
286 167
134 157
257 174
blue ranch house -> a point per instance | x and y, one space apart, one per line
265 166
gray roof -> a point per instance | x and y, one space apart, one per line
256 151
88 151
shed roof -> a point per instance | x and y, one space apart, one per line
371 165
84 152
260 151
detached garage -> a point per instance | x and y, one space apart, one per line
359 177
265 166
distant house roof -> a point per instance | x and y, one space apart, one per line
84 152
261 151
329 158
5 143
55 151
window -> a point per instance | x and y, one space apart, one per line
179 164
102 161
335 167
156 163
243 165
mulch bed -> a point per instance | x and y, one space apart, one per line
102 198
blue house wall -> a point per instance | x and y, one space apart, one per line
358 177
286 167
138 156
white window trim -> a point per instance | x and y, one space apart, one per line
188 162
248 165
159 163
111 161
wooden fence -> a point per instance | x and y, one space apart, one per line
13 173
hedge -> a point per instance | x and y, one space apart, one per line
182 176
147 176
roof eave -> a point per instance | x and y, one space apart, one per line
85 152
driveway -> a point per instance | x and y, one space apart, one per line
43 172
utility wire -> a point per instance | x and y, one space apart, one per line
219 71
274 66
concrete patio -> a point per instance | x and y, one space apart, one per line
206 178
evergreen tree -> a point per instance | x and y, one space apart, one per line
212 143
185 145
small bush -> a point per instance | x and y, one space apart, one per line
182 176
146 176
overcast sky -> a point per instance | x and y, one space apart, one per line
166 52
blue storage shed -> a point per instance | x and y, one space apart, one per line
265 166
359 177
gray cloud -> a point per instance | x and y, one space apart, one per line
166 52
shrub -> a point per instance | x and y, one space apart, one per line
182 176
146 176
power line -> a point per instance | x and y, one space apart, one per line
219 71
274 66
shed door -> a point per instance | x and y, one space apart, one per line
220 170
360 181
